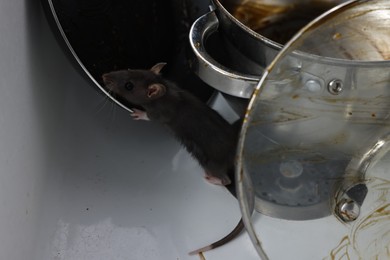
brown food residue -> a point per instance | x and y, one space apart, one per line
278 22
337 36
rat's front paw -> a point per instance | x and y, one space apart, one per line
217 181
139 115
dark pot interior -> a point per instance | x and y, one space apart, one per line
108 35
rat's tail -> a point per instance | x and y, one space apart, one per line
200 250
237 230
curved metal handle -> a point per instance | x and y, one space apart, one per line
209 70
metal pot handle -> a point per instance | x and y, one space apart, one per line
209 70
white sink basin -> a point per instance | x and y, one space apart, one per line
79 178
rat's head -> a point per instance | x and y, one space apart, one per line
139 87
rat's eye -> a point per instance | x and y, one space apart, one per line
129 86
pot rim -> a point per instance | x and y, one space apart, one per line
306 55
264 39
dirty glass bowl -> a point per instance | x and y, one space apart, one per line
319 120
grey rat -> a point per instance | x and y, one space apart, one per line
206 135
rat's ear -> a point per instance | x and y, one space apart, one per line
156 90
158 67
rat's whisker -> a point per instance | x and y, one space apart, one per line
113 108
102 104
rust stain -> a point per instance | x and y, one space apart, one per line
370 236
339 249
255 92
336 139
383 209
337 36
241 175
358 14
376 217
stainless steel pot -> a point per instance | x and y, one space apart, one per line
322 102
273 20
318 124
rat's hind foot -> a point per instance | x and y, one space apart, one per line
139 115
217 181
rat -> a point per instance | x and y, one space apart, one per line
205 134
